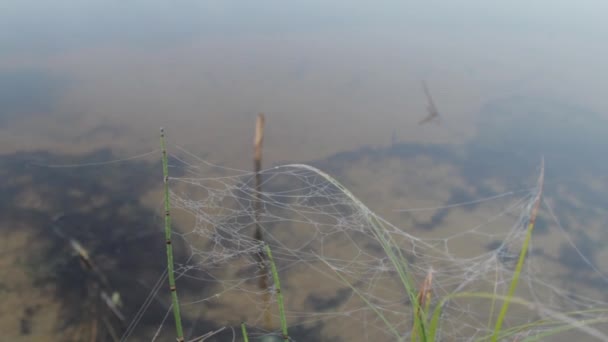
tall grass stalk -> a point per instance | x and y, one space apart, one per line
522 254
258 141
277 285
174 299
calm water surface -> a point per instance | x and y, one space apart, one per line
340 84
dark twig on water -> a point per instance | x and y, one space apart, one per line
259 234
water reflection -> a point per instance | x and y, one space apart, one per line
513 134
101 208
25 92
93 82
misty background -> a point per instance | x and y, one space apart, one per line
340 84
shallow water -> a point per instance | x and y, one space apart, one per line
340 84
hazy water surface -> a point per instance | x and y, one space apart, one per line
340 84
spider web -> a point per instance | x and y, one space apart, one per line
334 260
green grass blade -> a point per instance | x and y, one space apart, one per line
522 256
244 331
277 284
174 299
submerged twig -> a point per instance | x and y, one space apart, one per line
110 329
112 305
82 253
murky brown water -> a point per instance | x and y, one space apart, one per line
340 86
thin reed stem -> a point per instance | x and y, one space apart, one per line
259 234
522 255
176 313
244 330
277 285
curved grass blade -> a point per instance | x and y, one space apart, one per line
244 330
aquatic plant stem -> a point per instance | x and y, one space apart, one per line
522 254
174 299
277 285
244 330
259 234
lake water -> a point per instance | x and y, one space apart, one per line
340 85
